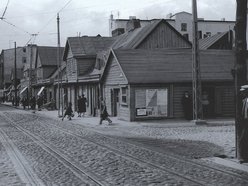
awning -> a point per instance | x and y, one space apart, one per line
9 93
41 89
23 90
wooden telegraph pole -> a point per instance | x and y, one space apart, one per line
15 80
59 84
240 78
196 72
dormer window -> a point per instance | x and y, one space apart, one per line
184 27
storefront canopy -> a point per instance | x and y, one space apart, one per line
25 88
41 89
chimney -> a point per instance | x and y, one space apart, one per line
133 23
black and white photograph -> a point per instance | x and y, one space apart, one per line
128 93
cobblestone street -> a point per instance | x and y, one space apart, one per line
36 149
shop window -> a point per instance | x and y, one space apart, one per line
184 27
151 102
124 95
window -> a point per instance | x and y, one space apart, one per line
124 95
24 60
151 102
184 27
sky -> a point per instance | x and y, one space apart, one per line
35 21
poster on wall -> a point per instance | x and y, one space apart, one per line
154 100
141 112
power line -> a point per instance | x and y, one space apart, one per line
54 17
16 26
5 10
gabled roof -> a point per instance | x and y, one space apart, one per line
132 39
172 65
207 42
87 45
48 55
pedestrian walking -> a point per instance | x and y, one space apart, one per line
33 103
68 112
24 102
104 113
39 102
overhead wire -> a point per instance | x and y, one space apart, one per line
5 10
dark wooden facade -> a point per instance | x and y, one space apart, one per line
158 80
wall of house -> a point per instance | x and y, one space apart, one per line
223 101
164 37
114 74
115 79
71 69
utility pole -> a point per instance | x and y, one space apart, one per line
196 72
240 78
59 70
15 80
30 75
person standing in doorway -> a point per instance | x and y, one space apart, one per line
187 106
84 101
80 105
33 103
104 113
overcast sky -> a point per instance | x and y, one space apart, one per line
90 17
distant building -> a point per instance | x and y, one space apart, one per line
181 21
7 63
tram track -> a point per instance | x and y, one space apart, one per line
73 167
55 153
135 158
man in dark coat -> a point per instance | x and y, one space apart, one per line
83 101
68 112
104 114
187 106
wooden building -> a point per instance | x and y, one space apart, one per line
148 84
81 76
46 64
86 56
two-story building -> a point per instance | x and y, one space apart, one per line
181 21
81 76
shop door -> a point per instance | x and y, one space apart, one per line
115 93
208 102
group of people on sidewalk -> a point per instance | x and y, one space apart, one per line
81 102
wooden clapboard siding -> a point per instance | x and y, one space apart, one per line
85 65
107 96
164 37
114 75
228 106
69 54
71 68
178 92
124 113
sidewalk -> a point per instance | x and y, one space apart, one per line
150 123
118 125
